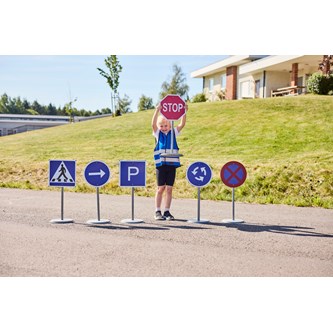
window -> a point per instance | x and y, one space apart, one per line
223 81
300 84
211 85
257 88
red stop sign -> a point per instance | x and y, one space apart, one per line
172 107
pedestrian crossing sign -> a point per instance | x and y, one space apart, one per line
62 173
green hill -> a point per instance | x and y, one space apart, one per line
285 143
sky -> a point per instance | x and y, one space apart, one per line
51 54
59 79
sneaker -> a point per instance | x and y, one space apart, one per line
168 216
158 215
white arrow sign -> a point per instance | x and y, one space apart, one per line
195 171
101 173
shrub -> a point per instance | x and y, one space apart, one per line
320 84
198 98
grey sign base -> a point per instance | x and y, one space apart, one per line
233 221
132 221
198 221
61 221
101 221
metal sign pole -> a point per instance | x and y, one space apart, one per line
132 220
62 219
198 204
99 220
233 174
233 204
98 210
172 131
132 203
132 174
97 174
234 220
198 220
199 175
62 203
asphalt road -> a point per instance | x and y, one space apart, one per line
274 240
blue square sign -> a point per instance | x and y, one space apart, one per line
132 174
62 173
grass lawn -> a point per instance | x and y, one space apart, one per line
285 143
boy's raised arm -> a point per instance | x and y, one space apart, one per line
182 120
155 116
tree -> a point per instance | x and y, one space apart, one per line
106 111
112 77
325 65
37 107
177 85
4 104
51 110
123 105
70 111
26 104
145 103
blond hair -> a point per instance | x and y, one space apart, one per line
160 120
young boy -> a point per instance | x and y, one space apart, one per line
165 165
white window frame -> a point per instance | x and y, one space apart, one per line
223 82
211 84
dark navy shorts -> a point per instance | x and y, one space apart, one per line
165 175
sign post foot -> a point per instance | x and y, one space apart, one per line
61 221
132 221
198 221
232 221
101 221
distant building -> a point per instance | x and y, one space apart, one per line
255 76
18 123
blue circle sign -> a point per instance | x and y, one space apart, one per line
97 173
233 174
199 174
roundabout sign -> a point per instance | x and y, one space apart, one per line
199 174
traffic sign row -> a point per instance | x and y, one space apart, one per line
62 173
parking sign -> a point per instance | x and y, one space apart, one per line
132 174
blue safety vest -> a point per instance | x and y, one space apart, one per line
163 145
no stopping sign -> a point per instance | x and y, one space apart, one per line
233 174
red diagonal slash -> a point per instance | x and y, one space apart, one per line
233 173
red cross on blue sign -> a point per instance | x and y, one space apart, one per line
233 174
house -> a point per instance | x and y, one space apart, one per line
257 76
